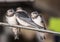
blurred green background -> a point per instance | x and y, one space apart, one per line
54 24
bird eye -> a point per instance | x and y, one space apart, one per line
35 13
41 21
10 10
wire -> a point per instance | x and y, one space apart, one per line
29 28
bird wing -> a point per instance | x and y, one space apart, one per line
28 20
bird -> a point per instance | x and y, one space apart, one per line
11 19
36 18
23 19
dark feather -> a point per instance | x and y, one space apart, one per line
22 14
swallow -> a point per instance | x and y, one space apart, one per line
11 19
36 18
23 19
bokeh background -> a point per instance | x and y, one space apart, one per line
50 9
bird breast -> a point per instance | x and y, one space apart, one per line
38 21
11 20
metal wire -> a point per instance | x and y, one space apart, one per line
29 28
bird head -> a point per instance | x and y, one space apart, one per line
34 14
19 9
10 12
